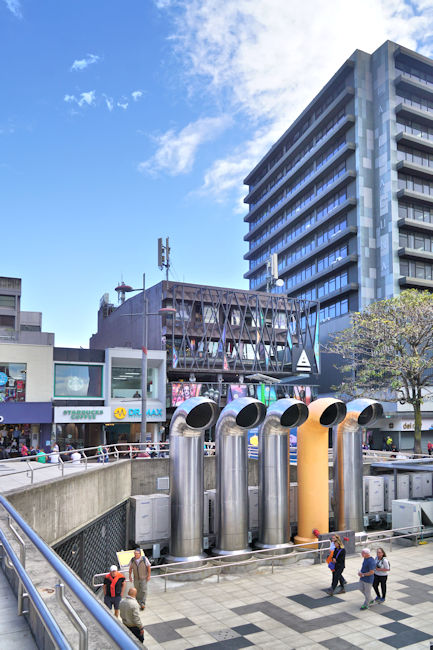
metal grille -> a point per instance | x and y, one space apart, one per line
93 549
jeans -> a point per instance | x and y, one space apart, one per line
380 580
365 588
141 587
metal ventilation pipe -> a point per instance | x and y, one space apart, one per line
232 473
348 510
274 521
187 428
313 472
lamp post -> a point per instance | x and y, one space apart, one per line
145 314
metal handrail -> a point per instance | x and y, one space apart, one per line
44 614
218 563
99 613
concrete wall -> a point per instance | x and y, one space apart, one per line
39 360
56 509
145 472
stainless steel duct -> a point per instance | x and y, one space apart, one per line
187 428
232 473
347 452
274 523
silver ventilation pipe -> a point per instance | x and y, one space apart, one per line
187 427
274 523
347 452
232 473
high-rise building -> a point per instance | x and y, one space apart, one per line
345 196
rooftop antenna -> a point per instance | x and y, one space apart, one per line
272 279
121 289
164 256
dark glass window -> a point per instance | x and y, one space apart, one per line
77 380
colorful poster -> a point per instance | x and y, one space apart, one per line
302 393
235 391
266 394
182 391
253 443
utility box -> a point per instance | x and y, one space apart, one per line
373 494
253 507
210 495
150 518
389 491
416 485
406 515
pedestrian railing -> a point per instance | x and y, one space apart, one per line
27 592
317 550
90 455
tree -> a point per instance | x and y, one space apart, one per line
388 351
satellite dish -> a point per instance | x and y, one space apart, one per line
279 282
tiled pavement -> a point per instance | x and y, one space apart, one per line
288 609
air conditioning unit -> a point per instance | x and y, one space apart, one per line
402 489
427 484
409 514
416 486
373 494
150 518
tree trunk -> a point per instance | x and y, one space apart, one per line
418 427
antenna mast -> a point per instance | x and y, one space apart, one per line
164 256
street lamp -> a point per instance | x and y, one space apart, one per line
145 314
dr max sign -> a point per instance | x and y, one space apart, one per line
133 414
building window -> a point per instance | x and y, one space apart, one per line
7 321
75 381
334 310
7 301
13 382
126 383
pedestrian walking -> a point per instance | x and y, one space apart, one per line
380 575
114 586
429 447
130 614
366 577
139 574
337 565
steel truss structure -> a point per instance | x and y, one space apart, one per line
229 330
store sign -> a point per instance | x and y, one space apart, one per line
26 412
133 414
409 425
82 414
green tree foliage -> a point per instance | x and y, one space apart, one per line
389 352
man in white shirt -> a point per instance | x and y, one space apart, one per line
75 457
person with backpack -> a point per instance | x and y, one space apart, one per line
337 565
380 575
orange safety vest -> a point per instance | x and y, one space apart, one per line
113 582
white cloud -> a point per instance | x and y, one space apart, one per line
123 103
269 59
88 98
136 95
176 151
14 7
109 103
81 64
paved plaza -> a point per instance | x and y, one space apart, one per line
289 609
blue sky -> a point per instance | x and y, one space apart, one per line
121 122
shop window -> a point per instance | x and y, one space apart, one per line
126 383
7 321
13 382
80 380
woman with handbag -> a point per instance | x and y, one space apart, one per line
337 565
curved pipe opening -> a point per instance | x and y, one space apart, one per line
201 416
295 415
333 414
251 415
369 414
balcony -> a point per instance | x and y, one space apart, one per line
404 80
414 141
409 195
415 224
416 170
415 254
411 113
415 283
335 266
